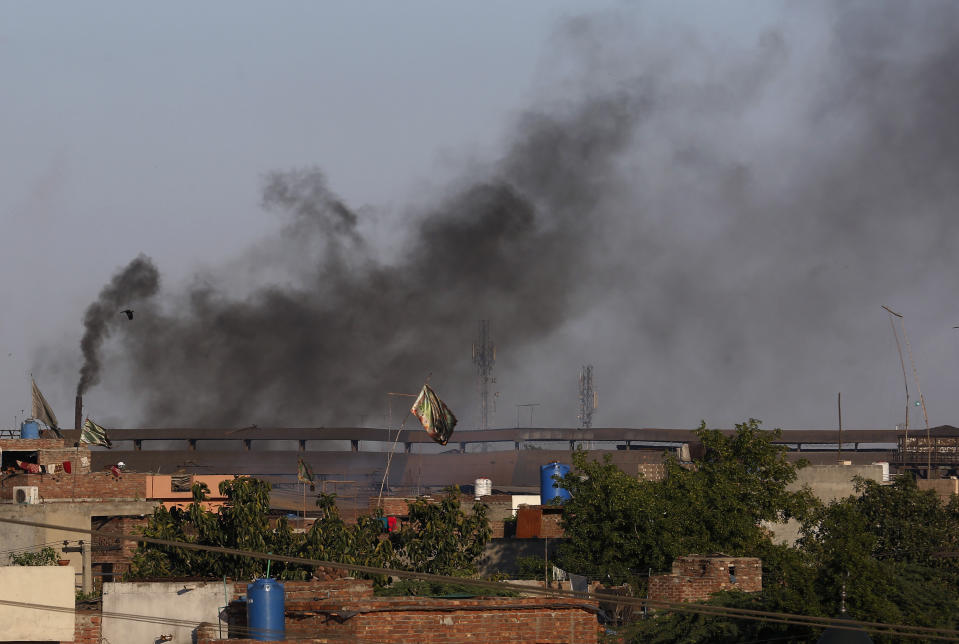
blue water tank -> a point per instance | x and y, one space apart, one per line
265 610
29 429
547 484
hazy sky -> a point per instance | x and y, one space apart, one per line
777 172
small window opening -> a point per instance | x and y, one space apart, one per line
732 574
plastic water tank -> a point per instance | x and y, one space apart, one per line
547 484
29 429
483 487
265 610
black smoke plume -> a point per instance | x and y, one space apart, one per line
139 279
713 226
327 346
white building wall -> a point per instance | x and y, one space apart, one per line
50 592
165 602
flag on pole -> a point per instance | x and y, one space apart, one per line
42 410
437 419
304 473
93 434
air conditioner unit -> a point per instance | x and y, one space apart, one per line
28 494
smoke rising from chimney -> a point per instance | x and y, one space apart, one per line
712 228
138 280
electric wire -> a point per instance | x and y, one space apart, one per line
235 629
898 630
38 546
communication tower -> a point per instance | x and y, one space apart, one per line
588 398
484 357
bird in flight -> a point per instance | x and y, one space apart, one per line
128 313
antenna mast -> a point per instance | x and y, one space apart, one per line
588 397
484 357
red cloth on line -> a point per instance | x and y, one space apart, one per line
33 468
66 466
390 524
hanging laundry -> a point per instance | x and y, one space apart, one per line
32 468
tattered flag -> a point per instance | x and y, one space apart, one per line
43 412
437 419
93 434
304 473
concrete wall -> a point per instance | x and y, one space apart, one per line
186 601
828 483
74 515
945 488
500 555
44 586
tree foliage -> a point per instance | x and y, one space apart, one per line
442 539
46 556
619 527
438 538
881 545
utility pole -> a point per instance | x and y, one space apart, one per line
839 406
588 398
922 401
484 357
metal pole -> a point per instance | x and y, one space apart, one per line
546 561
839 405
922 400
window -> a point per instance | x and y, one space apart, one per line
732 574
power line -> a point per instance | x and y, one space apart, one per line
897 630
166 621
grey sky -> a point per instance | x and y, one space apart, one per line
149 128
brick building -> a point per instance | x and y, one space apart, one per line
44 480
696 577
345 609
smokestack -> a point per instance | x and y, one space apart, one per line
79 412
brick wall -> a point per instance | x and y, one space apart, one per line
502 620
75 456
695 578
87 629
540 521
31 444
109 554
394 505
346 610
92 485
550 527
330 584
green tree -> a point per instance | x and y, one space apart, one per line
330 539
241 523
619 527
440 538
788 587
882 546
